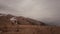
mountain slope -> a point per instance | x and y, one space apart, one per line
20 20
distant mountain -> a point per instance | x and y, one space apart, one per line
7 19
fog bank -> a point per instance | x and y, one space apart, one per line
47 11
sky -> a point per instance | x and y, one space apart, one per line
47 11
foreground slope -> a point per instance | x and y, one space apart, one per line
29 29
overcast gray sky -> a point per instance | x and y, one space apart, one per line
47 11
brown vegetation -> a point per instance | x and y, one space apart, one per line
29 29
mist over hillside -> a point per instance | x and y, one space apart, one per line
47 11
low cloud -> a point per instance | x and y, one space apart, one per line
47 11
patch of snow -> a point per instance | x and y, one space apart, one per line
14 20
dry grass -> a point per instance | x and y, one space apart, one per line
29 29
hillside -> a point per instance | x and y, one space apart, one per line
19 20
10 24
